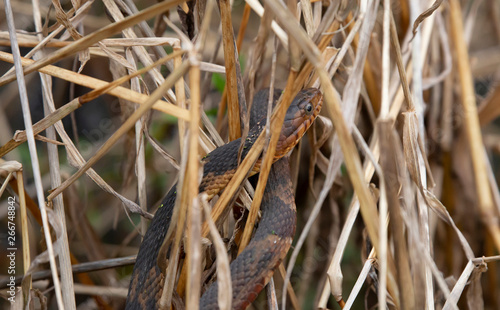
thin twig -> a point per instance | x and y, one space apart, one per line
129 123
19 75
472 127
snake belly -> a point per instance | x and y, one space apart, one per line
252 269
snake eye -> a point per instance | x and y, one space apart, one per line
309 108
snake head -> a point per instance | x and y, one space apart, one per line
302 112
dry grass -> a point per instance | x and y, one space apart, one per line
133 97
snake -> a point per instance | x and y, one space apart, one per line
253 268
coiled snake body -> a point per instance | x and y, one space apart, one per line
253 268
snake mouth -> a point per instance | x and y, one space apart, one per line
298 119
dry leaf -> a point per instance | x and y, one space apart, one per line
410 145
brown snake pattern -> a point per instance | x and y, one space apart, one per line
252 269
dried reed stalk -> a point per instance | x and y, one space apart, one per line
426 252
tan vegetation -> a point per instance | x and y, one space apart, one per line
133 94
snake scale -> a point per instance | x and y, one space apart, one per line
253 268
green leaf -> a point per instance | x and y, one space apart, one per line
219 81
